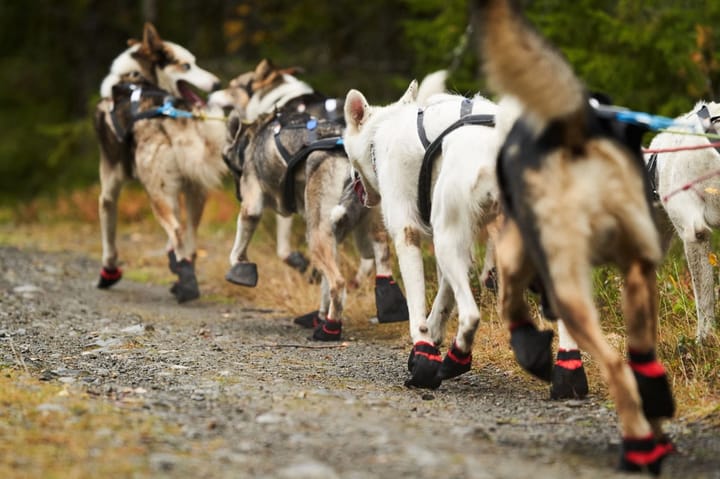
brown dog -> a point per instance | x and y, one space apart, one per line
575 195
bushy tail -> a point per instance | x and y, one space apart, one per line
518 61
432 84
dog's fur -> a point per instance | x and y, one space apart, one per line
168 156
694 214
574 194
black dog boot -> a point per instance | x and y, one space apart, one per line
455 363
328 330
533 349
108 277
424 365
310 320
657 398
491 282
390 301
186 288
243 274
298 261
639 454
172 261
568 377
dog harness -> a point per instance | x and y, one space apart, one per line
293 160
137 93
432 149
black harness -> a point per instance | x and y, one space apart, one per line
294 160
432 149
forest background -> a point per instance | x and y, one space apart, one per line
659 56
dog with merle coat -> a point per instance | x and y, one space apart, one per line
171 157
575 195
269 89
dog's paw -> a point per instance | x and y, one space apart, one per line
568 376
645 453
309 321
298 261
424 365
655 392
455 363
328 330
533 350
186 287
108 277
390 301
243 274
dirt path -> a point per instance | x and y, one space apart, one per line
263 401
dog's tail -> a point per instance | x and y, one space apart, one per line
432 84
517 61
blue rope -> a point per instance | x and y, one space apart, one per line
167 109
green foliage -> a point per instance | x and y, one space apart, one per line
657 55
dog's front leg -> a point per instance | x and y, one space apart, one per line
424 362
242 271
697 251
111 180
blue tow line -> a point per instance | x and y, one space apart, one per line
167 109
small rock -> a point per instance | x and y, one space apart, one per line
308 470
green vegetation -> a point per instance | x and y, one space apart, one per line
659 56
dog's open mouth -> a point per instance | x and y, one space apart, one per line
187 91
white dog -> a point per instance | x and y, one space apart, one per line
694 213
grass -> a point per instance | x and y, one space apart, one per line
70 223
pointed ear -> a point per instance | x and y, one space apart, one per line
151 38
132 41
410 95
263 69
356 109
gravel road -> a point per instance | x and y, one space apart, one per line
274 404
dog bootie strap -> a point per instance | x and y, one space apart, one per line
108 277
455 363
569 380
655 392
310 320
328 330
390 301
186 288
638 454
424 365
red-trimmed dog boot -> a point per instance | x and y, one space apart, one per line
455 363
424 365
108 277
657 398
328 330
568 376
390 301
644 453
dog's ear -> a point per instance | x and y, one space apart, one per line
291 71
410 95
356 109
263 69
151 38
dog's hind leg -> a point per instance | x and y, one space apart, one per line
697 252
242 271
533 348
323 251
640 311
195 198
283 234
111 181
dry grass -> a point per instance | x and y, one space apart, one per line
54 430
54 225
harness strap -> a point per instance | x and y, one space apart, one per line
424 201
421 128
652 175
332 143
